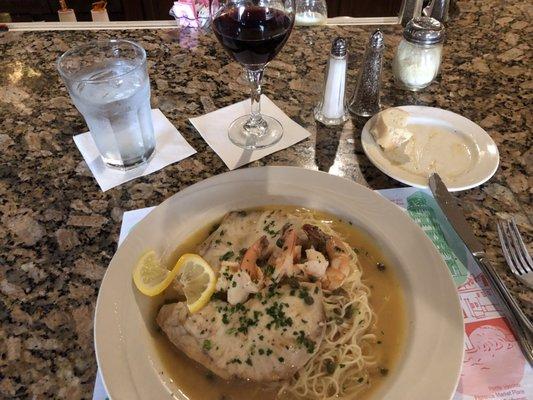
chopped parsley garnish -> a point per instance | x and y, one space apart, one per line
248 361
304 294
269 270
381 267
222 232
207 345
268 228
269 352
348 313
383 371
232 331
360 380
226 256
293 282
272 291
261 351
330 366
234 361
304 341
281 359
279 319
214 228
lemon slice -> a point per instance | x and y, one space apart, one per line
198 280
195 275
150 277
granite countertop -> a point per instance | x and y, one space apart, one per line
58 231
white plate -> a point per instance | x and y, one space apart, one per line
484 150
431 361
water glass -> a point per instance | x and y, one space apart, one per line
109 85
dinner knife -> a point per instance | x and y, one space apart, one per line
518 321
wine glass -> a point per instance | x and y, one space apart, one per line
253 32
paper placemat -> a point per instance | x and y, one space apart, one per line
170 148
494 367
214 129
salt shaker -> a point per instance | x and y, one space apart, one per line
417 59
331 109
365 100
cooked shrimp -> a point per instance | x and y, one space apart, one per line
316 264
249 260
283 260
334 248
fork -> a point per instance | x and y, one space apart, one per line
515 251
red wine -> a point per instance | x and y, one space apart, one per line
253 35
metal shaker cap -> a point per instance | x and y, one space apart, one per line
339 47
376 41
424 30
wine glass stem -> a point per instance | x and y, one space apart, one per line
254 77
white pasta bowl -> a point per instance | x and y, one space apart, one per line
430 363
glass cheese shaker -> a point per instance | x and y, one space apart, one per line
417 59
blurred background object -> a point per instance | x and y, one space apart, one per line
99 11
147 10
311 12
5 17
65 13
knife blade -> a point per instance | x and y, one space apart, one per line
454 214
518 321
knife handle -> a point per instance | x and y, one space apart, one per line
520 324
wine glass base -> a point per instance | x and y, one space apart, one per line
264 135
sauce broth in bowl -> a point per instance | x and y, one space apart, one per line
386 299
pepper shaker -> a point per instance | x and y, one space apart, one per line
331 109
365 100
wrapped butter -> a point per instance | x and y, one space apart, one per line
389 129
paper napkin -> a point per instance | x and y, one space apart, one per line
170 148
214 129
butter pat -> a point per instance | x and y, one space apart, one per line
389 129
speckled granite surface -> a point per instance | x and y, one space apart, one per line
58 231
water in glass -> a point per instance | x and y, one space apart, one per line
109 85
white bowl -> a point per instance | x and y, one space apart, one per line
431 361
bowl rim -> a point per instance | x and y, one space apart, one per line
441 362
